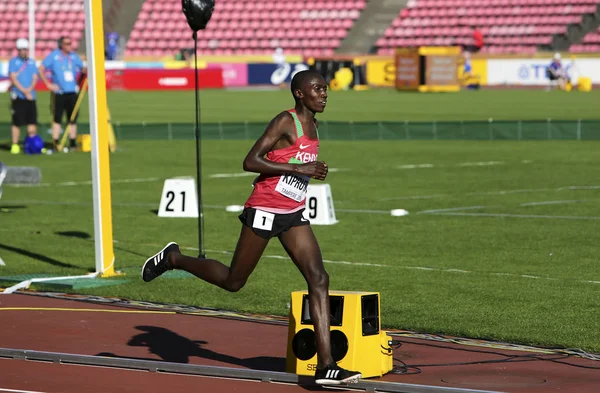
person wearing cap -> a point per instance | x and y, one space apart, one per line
63 65
23 76
556 72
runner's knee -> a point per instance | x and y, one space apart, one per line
318 279
234 285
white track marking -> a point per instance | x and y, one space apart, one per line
517 216
333 170
481 163
364 211
549 203
84 183
451 209
505 192
230 175
579 188
415 166
499 192
420 268
460 164
412 197
18 391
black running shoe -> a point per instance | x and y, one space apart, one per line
335 375
157 264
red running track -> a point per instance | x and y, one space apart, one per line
95 329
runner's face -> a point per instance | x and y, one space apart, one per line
315 94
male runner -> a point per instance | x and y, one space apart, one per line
286 158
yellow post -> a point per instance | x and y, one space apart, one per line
103 235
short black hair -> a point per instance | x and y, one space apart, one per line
301 77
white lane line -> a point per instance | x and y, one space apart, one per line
413 197
231 175
579 188
549 203
518 216
460 164
19 391
333 170
84 183
499 192
505 192
9 203
481 163
415 166
288 258
451 209
420 268
364 211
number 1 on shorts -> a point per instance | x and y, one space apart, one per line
263 220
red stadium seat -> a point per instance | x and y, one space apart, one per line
508 25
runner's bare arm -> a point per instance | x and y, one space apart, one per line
278 135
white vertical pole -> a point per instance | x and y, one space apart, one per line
32 29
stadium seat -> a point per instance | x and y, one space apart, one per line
258 26
51 19
529 23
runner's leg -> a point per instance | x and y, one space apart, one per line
302 246
232 278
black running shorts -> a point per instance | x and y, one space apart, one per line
65 103
268 225
24 112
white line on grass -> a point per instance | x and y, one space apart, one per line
505 192
451 209
230 175
579 188
460 164
499 192
413 197
517 216
549 203
84 183
481 163
348 263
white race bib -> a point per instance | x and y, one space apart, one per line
69 76
293 187
263 220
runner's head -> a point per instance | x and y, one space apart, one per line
310 90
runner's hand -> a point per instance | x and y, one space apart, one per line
316 169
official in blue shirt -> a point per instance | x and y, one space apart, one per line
64 65
556 73
23 76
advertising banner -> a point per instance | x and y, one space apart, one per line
172 79
381 72
273 74
408 69
234 74
532 72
